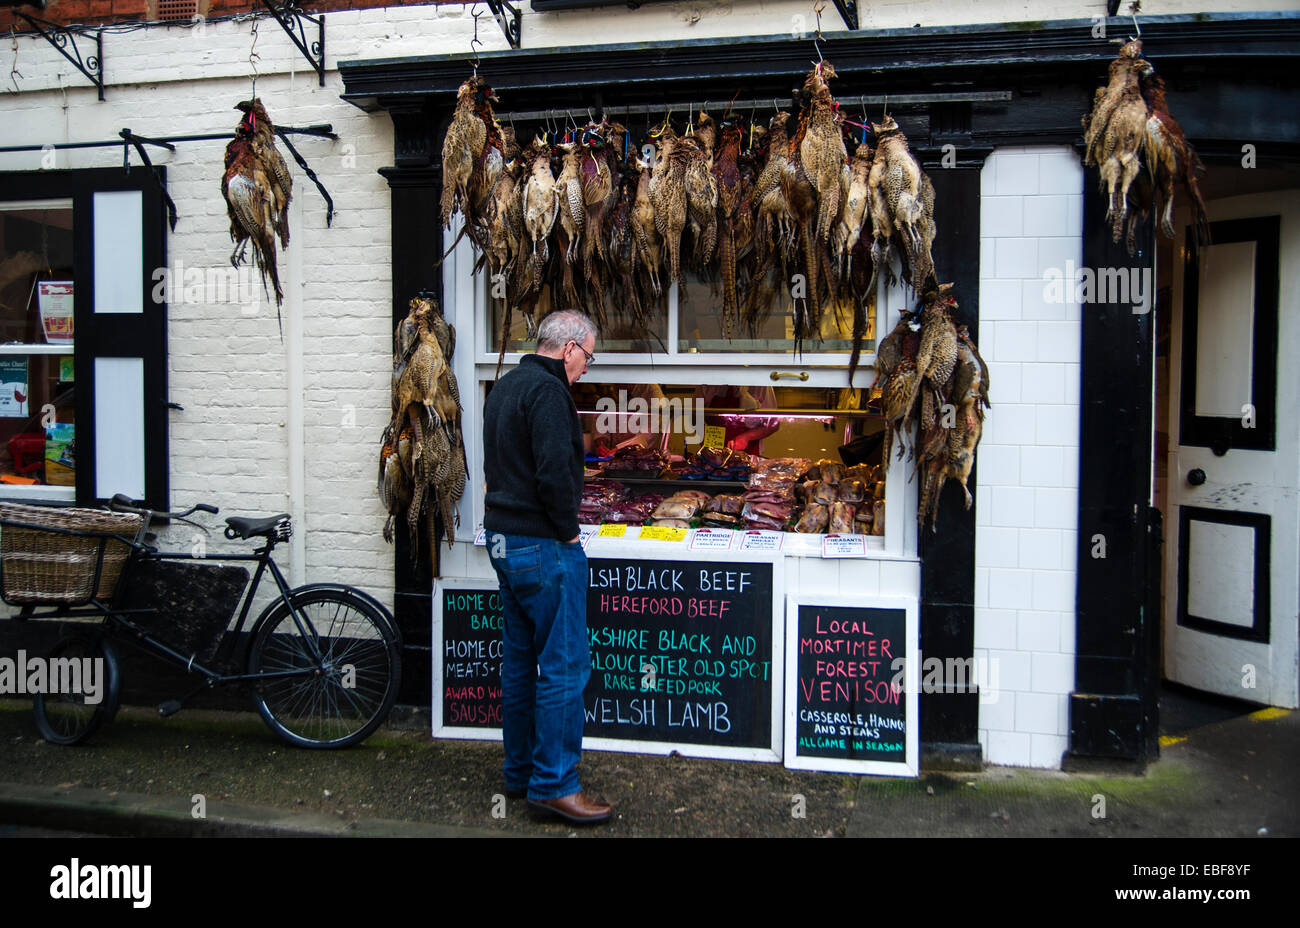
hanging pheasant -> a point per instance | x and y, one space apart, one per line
422 458
1115 131
472 156
902 207
257 188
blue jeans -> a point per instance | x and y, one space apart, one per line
545 660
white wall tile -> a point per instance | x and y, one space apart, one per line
1046 751
1073 379
1012 341
1056 507
1058 341
1002 216
1017 424
1017 174
1060 172
1011 589
1004 383
999 299
1056 425
1012 505
1041 467
1041 383
1044 215
998 713
1034 304
981 586
1038 631
996 628
1040 549
1055 589
1016 257
1055 253
1036 713
999 465
997 547
1068 642
1052 673
1015 669
1010 749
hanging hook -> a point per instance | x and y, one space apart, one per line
253 59
817 11
1133 9
14 73
475 42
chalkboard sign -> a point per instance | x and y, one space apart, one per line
467 659
851 692
686 655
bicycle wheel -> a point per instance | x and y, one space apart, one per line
341 698
74 714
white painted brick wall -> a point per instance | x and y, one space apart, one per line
1031 219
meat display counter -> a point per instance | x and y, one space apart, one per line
756 461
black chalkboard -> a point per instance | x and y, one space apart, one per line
470 651
681 652
849 700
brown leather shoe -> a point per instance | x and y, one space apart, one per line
576 807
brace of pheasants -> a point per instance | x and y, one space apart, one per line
902 207
422 458
257 188
473 154
931 374
1140 150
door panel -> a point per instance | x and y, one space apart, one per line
1233 553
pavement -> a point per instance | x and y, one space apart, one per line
1226 770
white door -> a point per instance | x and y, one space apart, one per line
1232 563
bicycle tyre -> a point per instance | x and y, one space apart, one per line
68 718
318 708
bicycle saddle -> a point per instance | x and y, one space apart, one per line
276 526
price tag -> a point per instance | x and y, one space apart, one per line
761 540
712 539
586 533
715 436
662 533
612 530
844 546
481 538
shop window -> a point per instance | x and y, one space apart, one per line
37 364
690 322
83 404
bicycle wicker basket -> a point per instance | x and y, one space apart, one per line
44 567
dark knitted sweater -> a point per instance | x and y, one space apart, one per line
532 452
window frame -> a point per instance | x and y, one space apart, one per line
465 306
117 335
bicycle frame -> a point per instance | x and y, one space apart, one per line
116 620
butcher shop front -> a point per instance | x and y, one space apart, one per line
780 570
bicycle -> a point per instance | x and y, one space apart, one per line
323 660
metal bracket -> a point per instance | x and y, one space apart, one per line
139 141
507 18
92 66
848 12
326 132
290 17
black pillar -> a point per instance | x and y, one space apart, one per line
1113 706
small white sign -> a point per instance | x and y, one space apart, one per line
586 533
481 538
761 540
713 539
844 546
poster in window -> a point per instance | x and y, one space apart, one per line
56 310
13 388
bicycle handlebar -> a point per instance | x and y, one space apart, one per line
123 503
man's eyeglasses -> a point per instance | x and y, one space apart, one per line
591 358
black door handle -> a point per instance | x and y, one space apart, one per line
1196 477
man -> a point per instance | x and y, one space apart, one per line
532 461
